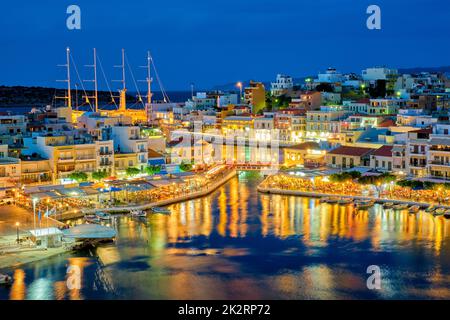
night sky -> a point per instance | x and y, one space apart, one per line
213 42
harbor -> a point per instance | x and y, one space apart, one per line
238 242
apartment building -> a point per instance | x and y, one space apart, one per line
381 159
438 156
324 122
9 171
416 152
128 140
255 96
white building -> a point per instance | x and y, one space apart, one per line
128 139
378 73
282 84
330 76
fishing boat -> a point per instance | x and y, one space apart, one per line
103 215
161 210
414 209
388 205
92 218
5 280
439 211
400 206
430 209
345 201
138 213
364 204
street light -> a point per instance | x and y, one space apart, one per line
239 85
34 212
17 227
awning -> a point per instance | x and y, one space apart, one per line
90 231
46 232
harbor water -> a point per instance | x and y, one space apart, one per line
239 244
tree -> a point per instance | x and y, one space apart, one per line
151 170
131 171
78 176
345 176
185 166
99 175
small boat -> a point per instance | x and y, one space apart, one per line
161 210
324 199
332 200
439 211
430 209
400 206
92 218
103 215
138 213
364 204
345 201
5 280
388 205
414 209
447 214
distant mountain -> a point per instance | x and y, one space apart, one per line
232 86
21 96
443 69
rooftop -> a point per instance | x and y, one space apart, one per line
351 151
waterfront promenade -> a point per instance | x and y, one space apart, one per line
285 185
182 196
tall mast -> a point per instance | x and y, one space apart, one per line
69 96
94 65
149 79
122 99
149 85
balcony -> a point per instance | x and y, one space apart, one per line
86 158
440 163
66 159
105 153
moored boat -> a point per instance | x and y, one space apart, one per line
388 205
439 211
400 206
364 204
332 200
161 210
103 215
345 201
447 214
138 213
324 199
92 218
430 209
5 279
414 209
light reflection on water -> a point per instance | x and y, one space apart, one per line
239 244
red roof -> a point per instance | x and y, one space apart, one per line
384 151
351 151
387 123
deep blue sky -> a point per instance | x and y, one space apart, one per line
211 42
